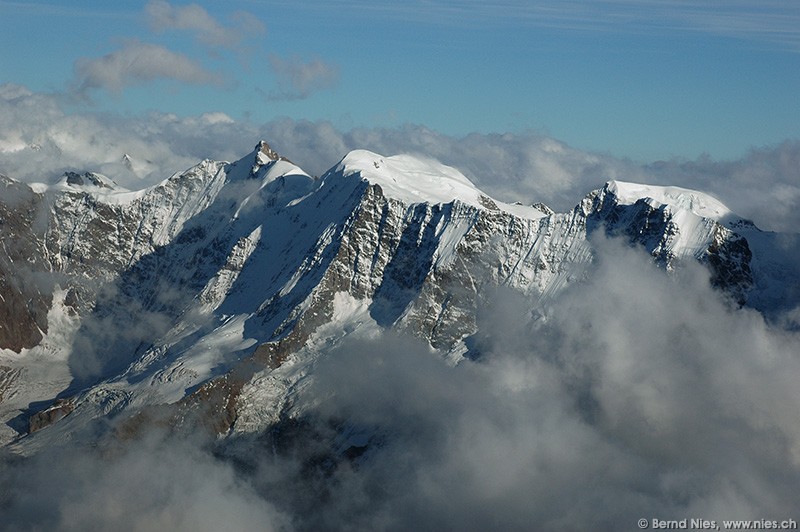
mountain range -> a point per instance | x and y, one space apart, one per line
206 302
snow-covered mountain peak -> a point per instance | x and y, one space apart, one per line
699 203
263 163
88 181
413 180
98 186
265 154
409 178
138 167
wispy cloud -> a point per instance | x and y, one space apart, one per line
137 63
140 62
298 79
163 16
776 23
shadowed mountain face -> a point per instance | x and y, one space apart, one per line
207 298
24 283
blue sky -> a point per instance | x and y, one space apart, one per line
646 79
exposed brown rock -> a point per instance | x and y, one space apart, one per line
60 409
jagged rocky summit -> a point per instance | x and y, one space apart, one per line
204 300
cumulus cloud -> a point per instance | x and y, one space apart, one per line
163 16
138 63
298 79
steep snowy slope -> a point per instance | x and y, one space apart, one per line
205 299
126 265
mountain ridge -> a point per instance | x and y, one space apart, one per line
271 258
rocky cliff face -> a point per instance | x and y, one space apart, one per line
202 297
24 286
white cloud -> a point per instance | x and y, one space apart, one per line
159 144
154 484
40 141
636 394
163 16
217 118
298 79
764 185
137 63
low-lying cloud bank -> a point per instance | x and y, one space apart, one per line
156 484
39 141
637 394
